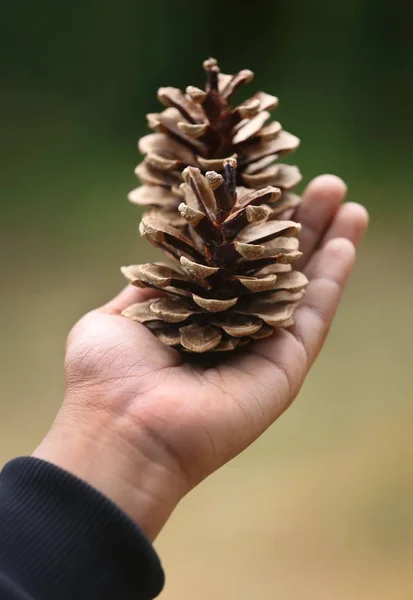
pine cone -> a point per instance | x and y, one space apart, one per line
200 129
231 279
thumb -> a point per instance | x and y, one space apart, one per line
129 295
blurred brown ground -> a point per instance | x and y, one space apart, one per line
322 506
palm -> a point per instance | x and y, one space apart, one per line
204 414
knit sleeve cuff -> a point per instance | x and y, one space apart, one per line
61 538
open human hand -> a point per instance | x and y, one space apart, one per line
144 426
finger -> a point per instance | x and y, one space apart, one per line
320 203
129 295
350 222
330 271
281 362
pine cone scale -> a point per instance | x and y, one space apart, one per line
219 207
201 129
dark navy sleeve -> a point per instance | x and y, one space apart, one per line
61 539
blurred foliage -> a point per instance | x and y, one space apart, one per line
320 507
78 78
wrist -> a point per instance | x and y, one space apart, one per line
121 461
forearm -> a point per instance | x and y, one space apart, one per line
132 470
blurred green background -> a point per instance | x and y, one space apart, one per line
322 506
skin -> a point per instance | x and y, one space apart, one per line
144 428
